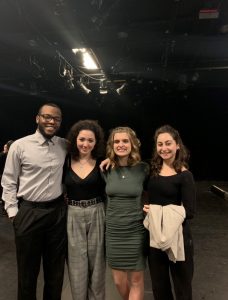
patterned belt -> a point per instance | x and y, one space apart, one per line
85 203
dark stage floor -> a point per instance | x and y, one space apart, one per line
210 232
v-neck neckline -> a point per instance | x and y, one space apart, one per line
86 175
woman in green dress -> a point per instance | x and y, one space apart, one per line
125 233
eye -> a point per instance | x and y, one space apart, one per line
116 141
90 140
125 141
81 139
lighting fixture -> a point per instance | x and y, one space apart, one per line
88 58
121 89
103 87
83 87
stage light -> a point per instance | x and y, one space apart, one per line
84 88
103 87
88 58
120 90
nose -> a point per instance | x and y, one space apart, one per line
163 148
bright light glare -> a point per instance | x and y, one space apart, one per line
88 61
76 50
103 91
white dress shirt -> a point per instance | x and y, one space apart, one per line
33 170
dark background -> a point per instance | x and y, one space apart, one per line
200 115
171 54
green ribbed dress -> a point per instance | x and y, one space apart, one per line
125 233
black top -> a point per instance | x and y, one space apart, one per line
176 189
90 187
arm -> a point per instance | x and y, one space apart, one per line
145 201
145 195
10 181
105 164
188 192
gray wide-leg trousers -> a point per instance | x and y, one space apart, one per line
86 251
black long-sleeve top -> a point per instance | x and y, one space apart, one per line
176 189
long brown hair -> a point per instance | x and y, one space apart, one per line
182 154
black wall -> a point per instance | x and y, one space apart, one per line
199 114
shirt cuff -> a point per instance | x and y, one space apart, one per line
12 211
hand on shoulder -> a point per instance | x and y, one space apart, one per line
105 164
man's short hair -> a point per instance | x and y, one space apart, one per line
49 104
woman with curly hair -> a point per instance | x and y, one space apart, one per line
171 191
125 233
86 217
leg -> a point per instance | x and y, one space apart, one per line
54 253
96 254
159 271
182 274
121 281
28 239
136 282
77 252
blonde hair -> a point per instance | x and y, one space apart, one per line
134 156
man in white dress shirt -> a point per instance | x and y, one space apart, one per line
32 191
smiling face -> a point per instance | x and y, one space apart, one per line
166 147
121 144
49 120
85 142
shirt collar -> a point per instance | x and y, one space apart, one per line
42 140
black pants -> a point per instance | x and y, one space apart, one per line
182 273
2 209
40 232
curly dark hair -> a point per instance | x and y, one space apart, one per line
134 156
92 125
182 154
